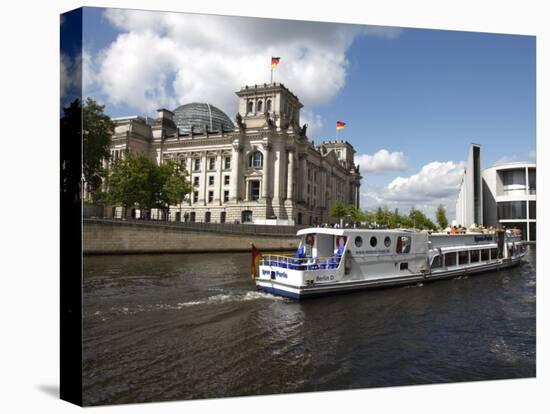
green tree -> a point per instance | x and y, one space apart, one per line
96 141
338 211
135 181
367 217
354 214
385 218
406 222
441 217
420 221
174 185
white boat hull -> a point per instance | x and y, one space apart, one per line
279 287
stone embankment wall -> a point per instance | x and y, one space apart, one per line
133 238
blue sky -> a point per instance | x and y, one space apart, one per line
429 93
413 99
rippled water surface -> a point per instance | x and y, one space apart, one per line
193 326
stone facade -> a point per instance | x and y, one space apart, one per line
264 169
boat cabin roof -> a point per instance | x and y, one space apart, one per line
347 231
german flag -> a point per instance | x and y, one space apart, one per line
340 125
274 62
256 257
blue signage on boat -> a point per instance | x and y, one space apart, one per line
278 273
485 237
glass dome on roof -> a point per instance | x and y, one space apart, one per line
201 115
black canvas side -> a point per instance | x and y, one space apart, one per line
71 207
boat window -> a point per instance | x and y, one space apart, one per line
463 258
474 256
309 243
450 259
493 254
484 255
387 241
436 262
340 243
373 241
403 266
403 244
358 241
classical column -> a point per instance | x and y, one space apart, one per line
276 174
246 190
235 171
189 167
283 170
265 172
203 186
322 187
290 176
219 181
304 178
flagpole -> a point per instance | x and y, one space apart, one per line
271 73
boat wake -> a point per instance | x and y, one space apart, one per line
227 298
211 300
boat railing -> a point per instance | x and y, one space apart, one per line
301 263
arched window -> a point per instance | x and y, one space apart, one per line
268 105
250 107
256 160
259 106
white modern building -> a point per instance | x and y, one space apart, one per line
469 205
509 197
502 196
263 170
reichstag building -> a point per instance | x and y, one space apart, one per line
260 169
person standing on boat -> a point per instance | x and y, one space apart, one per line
338 252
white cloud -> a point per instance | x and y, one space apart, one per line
382 160
532 155
89 76
436 183
166 59
70 68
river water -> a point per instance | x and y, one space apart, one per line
166 327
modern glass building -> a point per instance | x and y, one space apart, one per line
510 197
502 196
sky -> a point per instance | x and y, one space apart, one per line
412 99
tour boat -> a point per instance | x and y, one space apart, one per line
333 260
